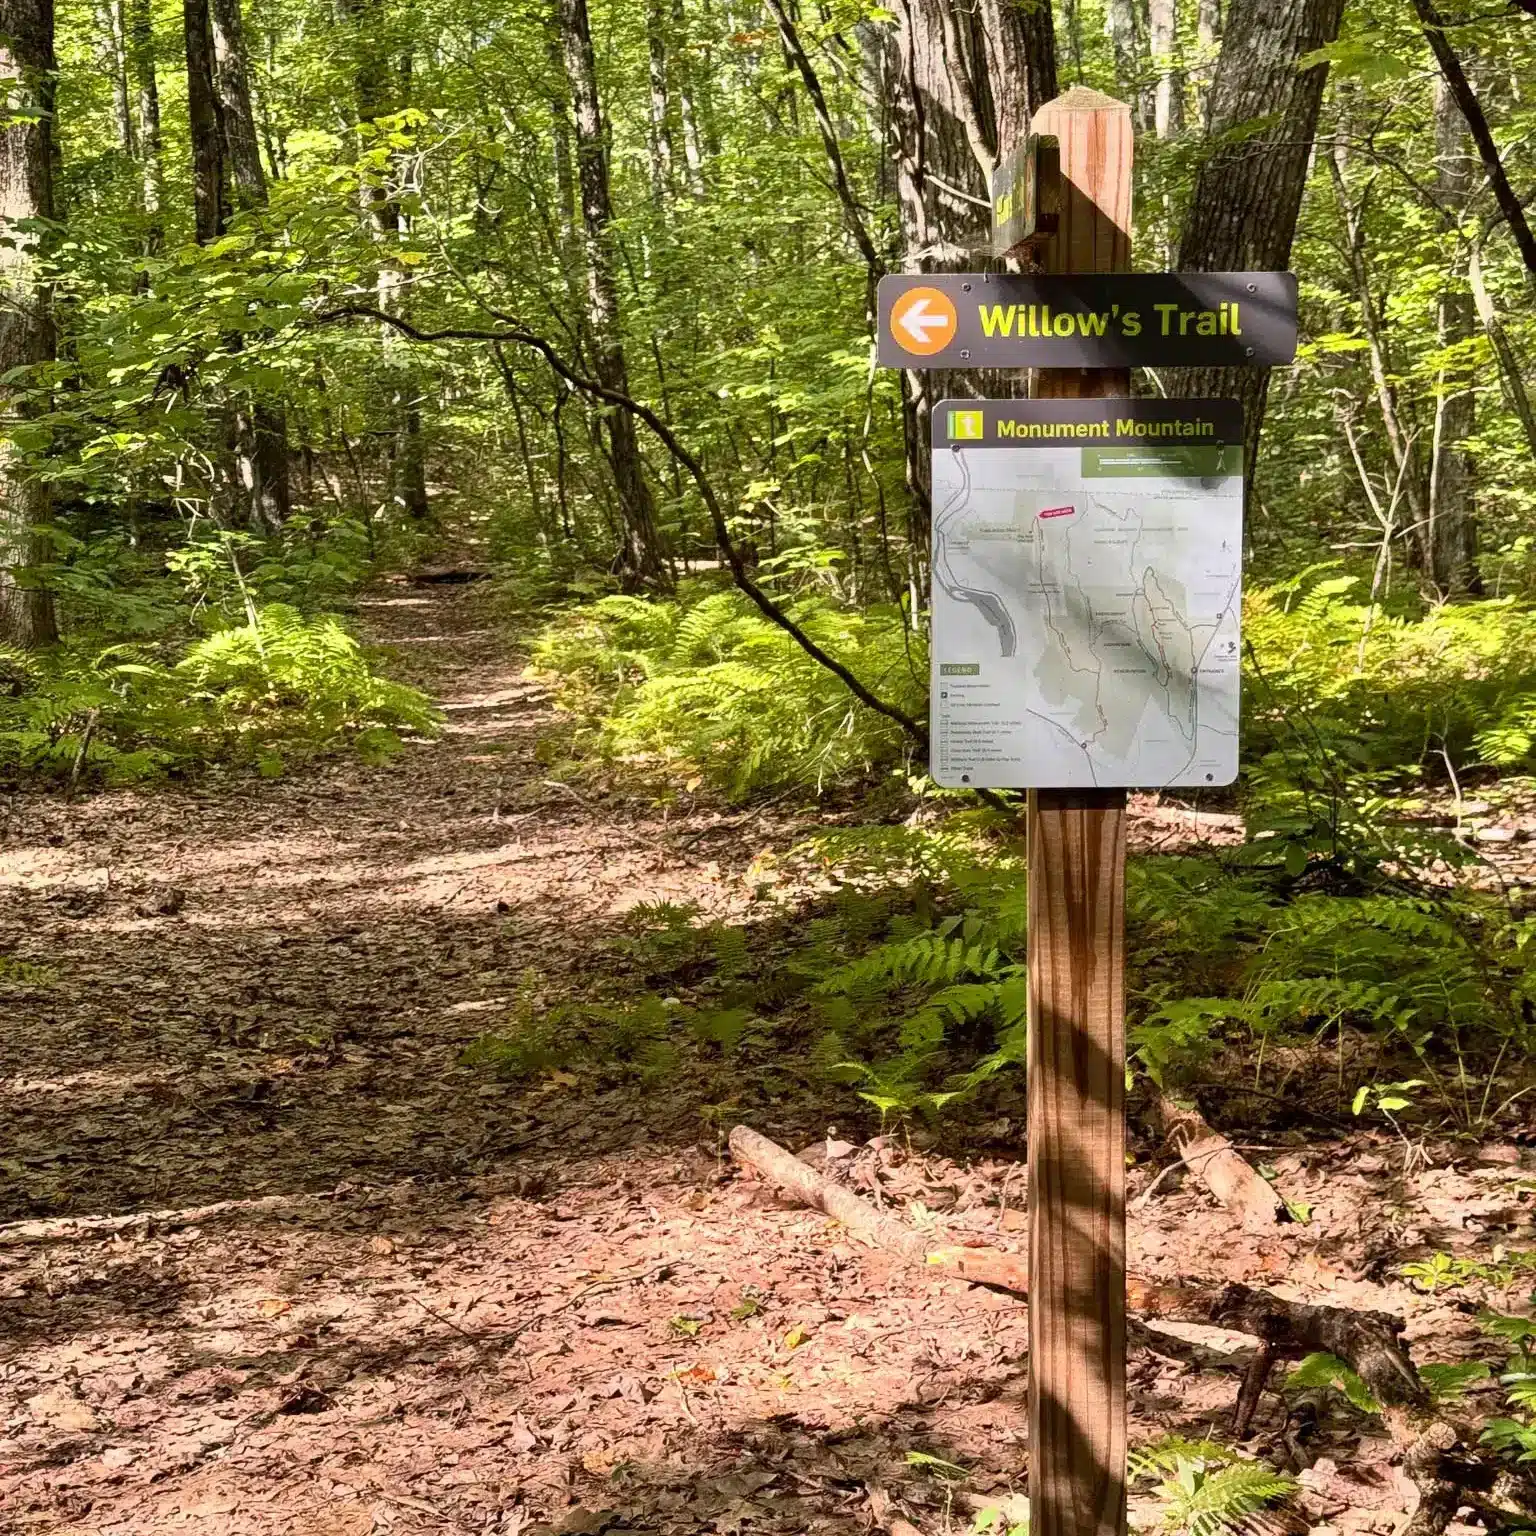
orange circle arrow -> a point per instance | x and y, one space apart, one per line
923 321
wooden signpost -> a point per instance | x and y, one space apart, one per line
1039 582
1076 850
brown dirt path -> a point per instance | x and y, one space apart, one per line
273 1260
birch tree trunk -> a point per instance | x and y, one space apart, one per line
1450 550
113 22
141 50
1126 45
1247 196
26 320
1207 36
641 559
660 103
688 110
1168 103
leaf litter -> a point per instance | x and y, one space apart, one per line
273 1259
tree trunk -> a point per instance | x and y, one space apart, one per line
1126 45
688 111
377 95
1450 552
223 140
114 57
1434 26
26 320
1247 196
232 82
661 106
259 428
956 88
141 48
1208 36
1168 105
642 559
1402 438
1074 12
1503 349
210 190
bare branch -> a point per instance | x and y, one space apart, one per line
670 441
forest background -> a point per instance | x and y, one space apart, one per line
292 296
574 299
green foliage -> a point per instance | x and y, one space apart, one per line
705 689
1325 1370
1445 1271
1208 1490
1379 688
245 693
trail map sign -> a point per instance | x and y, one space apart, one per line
1087 560
1090 320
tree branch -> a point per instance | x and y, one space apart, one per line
851 211
1433 25
669 440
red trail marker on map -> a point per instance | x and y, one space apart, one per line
1058 512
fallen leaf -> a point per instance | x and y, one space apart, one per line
59 1408
796 1337
381 1245
273 1306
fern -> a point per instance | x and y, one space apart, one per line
704 685
1208 1490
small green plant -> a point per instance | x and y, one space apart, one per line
248 692
22 973
1208 1490
1325 1370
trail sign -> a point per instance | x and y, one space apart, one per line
1089 320
1016 196
1087 565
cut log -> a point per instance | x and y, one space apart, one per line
1221 1168
1440 1455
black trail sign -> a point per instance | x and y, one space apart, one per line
1092 320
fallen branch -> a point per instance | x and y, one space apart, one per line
1224 1171
674 445
1437 1453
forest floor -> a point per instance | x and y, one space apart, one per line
273 1259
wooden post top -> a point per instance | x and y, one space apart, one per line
1095 142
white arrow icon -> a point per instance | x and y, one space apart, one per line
917 322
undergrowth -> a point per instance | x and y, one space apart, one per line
1340 926
235 658
906 983
703 689
1345 700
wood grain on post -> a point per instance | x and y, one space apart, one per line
1077 1416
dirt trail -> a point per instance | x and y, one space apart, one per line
429 1301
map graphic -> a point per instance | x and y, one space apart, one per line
1085 609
